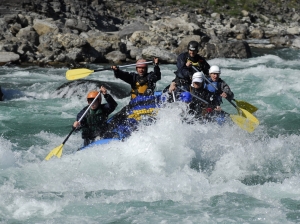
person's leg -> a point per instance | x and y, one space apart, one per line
86 142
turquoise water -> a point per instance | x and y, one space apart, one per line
168 172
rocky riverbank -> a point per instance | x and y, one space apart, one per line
84 31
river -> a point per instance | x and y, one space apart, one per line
169 172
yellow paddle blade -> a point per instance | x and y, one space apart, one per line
59 153
55 152
250 116
248 124
247 106
79 73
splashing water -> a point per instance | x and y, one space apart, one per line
168 172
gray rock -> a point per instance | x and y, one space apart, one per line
116 57
6 57
43 26
128 30
237 49
257 33
75 54
164 56
76 24
296 43
28 34
280 41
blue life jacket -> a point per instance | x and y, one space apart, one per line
211 88
215 91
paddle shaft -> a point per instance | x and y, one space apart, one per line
233 104
215 86
206 79
199 98
73 129
173 94
253 120
123 66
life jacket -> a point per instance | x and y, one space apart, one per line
211 86
95 124
142 87
215 92
197 62
200 108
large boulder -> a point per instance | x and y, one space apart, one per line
178 24
116 57
163 55
119 90
6 57
257 33
76 24
296 43
44 26
293 30
128 30
145 38
281 41
237 49
70 40
29 34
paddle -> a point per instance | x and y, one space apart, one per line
245 105
199 98
248 123
80 73
241 104
58 150
173 94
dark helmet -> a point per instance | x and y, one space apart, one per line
193 46
185 97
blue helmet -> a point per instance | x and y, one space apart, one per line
185 97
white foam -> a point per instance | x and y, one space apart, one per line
7 158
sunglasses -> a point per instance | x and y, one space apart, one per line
90 100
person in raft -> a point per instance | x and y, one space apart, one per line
185 63
94 124
142 82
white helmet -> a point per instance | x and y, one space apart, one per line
215 69
198 77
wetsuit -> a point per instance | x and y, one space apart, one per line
94 123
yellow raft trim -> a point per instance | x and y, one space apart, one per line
137 114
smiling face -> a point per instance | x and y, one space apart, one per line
214 76
192 53
141 67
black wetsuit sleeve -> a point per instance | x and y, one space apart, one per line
125 76
156 74
111 104
206 67
225 88
183 71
